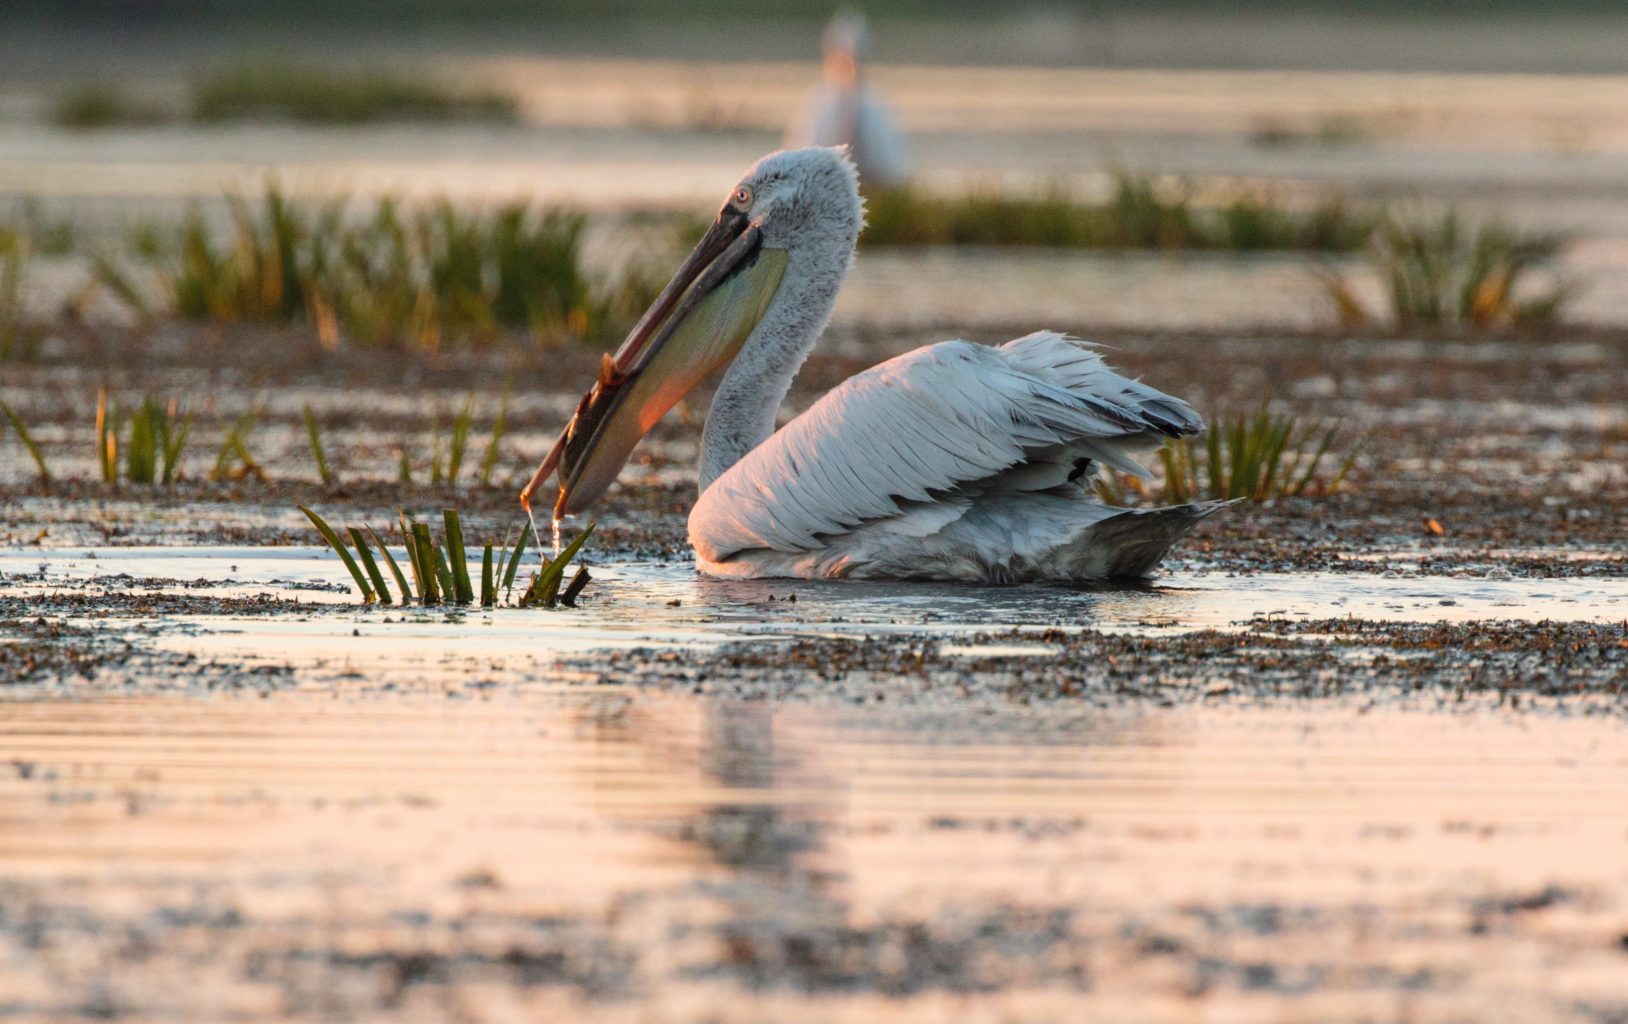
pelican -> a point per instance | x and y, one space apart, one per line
843 110
955 461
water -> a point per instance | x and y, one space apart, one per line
509 841
318 855
634 604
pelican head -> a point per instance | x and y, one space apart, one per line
764 274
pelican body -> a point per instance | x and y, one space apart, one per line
952 462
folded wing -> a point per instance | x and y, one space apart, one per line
940 427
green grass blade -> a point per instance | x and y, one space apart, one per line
424 549
437 460
443 572
390 560
359 539
175 442
459 443
28 442
235 445
545 588
488 462
344 554
312 431
514 560
458 555
414 562
488 588
1349 461
1315 461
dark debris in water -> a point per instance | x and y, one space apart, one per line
1581 663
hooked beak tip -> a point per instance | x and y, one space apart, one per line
550 461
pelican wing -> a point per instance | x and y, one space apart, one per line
917 437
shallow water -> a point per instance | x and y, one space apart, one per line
429 812
329 855
636 604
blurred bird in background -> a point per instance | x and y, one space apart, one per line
844 111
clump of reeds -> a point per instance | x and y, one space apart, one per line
1445 272
102 105
1141 213
158 434
421 278
440 566
1263 456
18 427
263 90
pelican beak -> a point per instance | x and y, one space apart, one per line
696 325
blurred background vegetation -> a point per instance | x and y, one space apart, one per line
280 10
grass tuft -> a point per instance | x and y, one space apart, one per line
545 586
440 567
100 105
1258 457
158 435
259 91
390 560
1141 213
343 552
423 279
233 461
1446 273
373 574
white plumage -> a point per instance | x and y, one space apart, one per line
955 461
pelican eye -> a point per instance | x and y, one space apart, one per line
742 197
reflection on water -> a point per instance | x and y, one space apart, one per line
319 856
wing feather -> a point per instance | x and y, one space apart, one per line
933 426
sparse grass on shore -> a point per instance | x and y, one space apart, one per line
1444 272
1142 213
285 91
1258 457
103 105
417 278
261 90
